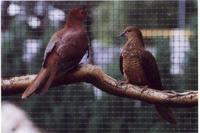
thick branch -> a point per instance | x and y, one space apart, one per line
94 75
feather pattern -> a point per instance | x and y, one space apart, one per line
139 67
63 52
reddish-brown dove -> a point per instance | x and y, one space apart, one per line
63 52
139 67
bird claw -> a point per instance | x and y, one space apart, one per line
144 88
178 94
172 92
121 82
185 93
175 94
169 91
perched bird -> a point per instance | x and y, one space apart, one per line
139 67
63 52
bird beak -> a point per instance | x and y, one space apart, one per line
86 10
121 35
89 14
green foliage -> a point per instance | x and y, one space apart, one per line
75 108
12 50
109 20
163 59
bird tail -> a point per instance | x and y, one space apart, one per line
166 114
48 83
37 83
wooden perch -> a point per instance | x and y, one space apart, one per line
94 75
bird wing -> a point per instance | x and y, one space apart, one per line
71 49
51 45
68 58
66 46
153 76
121 63
151 70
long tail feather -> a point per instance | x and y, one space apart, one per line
39 80
166 114
48 83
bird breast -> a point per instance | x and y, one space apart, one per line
132 68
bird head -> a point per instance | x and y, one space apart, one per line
78 13
130 32
134 34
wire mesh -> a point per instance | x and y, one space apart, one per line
170 32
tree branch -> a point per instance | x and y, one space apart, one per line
94 75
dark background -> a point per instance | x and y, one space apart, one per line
170 32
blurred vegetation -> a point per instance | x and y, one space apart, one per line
76 108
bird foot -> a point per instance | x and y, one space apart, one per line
169 91
176 94
121 82
186 93
144 88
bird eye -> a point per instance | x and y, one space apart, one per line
82 12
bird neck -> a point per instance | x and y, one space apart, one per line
135 42
74 23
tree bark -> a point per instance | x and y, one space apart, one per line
94 75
